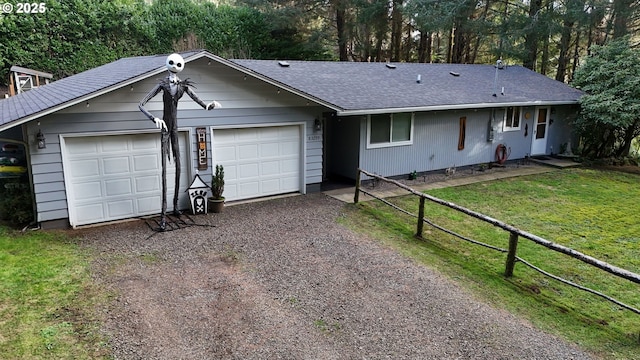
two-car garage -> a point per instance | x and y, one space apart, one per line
113 177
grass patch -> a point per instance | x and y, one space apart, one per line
46 299
594 212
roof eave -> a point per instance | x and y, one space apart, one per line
90 96
452 107
157 71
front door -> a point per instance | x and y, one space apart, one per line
540 127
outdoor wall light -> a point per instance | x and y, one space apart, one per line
42 143
317 125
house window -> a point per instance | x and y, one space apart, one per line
389 130
512 119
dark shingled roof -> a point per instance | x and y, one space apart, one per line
67 90
347 87
352 86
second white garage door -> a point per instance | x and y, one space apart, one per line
259 161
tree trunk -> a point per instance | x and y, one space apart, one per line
622 13
531 38
396 30
341 28
408 46
424 47
576 56
630 133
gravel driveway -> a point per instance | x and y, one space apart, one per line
281 279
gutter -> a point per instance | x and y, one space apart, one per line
453 107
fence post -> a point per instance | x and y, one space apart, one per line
356 196
420 217
511 255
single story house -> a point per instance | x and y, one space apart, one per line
284 127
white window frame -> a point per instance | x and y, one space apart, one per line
390 143
505 126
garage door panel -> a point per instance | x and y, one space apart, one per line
120 208
147 183
85 168
248 171
146 142
246 135
269 168
83 147
289 131
256 160
146 162
230 173
289 147
230 190
270 134
115 144
225 153
116 165
225 137
269 150
271 186
248 152
249 189
88 191
289 184
289 166
147 205
89 213
118 187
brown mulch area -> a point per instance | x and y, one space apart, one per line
283 279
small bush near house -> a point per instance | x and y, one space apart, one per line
16 205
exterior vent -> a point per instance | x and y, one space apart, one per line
283 63
390 66
454 73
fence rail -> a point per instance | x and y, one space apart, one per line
514 234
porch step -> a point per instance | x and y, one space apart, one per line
556 162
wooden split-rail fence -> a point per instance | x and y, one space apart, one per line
514 235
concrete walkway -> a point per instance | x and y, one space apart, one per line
346 194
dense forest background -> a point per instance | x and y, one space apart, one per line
550 37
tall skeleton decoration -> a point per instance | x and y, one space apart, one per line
172 89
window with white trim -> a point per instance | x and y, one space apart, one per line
512 118
385 130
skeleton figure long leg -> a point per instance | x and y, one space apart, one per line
164 146
176 158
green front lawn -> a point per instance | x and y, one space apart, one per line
594 212
46 299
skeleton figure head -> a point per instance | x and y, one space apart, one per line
175 63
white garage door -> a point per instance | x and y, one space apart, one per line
259 161
117 177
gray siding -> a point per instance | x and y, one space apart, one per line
435 142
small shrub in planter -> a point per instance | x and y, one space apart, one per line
216 201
